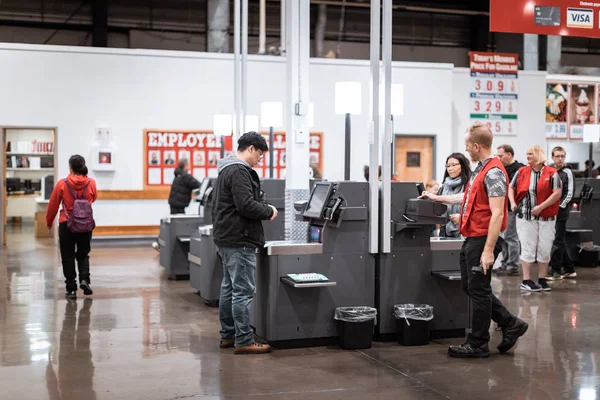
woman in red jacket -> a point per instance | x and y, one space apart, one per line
73 245
534 195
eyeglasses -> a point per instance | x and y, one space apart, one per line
559 156
260 154
448 166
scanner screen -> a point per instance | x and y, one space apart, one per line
315 234
317 201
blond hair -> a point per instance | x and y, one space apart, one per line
539 155
481 134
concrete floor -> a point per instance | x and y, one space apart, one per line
143 337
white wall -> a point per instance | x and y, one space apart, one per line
531 118
79 89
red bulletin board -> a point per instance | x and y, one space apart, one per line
164 148
546 17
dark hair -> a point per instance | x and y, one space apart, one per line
77 164
558 148
252 139
366 172
465 168
182 163
507 149
587 163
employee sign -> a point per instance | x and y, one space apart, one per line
495 91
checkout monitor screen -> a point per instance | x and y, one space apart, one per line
317 200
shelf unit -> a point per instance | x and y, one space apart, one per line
12 153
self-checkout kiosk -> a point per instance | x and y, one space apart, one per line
174 241
299 284
583 225
206 270
420 269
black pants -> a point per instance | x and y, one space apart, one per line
74 246
177 210
486 306
560 255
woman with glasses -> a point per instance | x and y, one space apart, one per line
458 173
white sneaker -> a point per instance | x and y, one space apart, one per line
155 246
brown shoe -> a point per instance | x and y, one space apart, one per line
254 348
227 343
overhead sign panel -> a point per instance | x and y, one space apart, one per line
546 17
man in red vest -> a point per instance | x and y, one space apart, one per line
483 216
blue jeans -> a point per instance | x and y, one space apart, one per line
237 291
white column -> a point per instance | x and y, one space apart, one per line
531 52
374 128
237 70
296 112
386 165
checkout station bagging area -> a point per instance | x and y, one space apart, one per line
329 287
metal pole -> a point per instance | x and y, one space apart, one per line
374 128
283 28
262 28
271 152
347 148
387 133
222 146
237 73
244 86
589 174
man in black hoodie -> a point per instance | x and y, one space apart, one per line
511 249
238 233
182 187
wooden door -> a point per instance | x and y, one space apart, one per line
414 158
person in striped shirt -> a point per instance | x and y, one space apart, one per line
534 194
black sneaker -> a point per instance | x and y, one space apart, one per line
510 335
530 286
466 350
544 285
553 276
87 290
71 295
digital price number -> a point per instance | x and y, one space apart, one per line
495 106
495 85
500 126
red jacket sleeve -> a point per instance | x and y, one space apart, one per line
93 190
55 200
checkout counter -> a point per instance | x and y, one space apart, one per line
420 269
206 269
299 284
583 225
174 239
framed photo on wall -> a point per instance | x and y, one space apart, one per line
103 159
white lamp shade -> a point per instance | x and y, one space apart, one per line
223 124
348 98
271 114
591 133
252 123
397 99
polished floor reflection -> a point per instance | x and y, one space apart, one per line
143 337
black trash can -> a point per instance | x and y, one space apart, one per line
412 323
355 325
588 256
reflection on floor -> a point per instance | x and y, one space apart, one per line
143 337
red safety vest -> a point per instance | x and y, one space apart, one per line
476 218
543 189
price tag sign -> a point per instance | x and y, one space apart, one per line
495 91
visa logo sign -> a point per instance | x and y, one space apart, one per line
580 18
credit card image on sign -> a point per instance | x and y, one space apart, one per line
547 16
580 18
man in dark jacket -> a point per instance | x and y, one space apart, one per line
561 265
182 187
238 233
511 249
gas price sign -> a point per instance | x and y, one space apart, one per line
495 91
